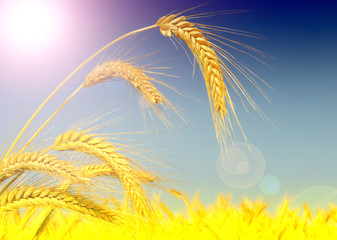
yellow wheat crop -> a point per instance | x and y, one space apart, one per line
222 220
96 146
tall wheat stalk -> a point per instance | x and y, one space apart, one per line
11 148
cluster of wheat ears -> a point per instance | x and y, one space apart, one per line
71 179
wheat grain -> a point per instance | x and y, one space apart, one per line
49 197
39 162
96 146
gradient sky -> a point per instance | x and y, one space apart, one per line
299 147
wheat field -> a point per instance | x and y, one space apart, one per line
48 192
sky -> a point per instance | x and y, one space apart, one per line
293 150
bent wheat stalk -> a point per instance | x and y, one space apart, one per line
95 146
11 148
39 162
49 197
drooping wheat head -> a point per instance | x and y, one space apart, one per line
137 77
213 68
208 61
26 196
39 162
132 74
98 147
203 51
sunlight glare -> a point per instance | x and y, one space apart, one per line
30 24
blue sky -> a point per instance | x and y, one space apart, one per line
299 148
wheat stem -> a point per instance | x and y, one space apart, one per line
50 118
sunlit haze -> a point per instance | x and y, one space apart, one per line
29 25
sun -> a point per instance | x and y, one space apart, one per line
29 24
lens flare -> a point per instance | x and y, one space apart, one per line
270 185
241 166
316 197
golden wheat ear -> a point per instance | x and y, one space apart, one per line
213 68
137 77
28 196
95 146
39 162
132 74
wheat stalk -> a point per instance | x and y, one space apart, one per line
213 69
39 162
97 146
11 148
95 170
49 197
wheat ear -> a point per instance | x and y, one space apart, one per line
211 67
39 162
137 77
132 74
95 170
96 146
49 197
